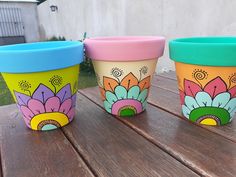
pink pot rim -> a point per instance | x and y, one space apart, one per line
125 48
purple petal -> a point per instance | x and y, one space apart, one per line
21 98
73 100
42 93
64 93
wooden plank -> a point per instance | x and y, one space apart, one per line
170 75
206 152
164 92
27 153
113 149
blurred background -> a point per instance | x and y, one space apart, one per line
30 21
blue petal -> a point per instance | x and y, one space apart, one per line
190 102
107 106
221 100
134 92
231 105
143 95
185 111
110 97
203 99
121 92
144 104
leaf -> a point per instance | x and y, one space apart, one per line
232 91
215 86
109 83
129 81
191 88
145 83
64 93
42 93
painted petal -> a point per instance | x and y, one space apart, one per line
191 103
232 113
144 104
36 106
121 92
42 93
232 91
231 105
26 112
185 111
182 95
66 106
191 88
52 104
145 83
102 91
107 106
111 98
109 83
221 100
64 93
203 99
134 92
73 100
21 98
143 95
129 81
215 87
71 114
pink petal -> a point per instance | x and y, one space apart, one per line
65 106
36 106
52 104
71 114
215 86
182 96
191 88
26 112
232 91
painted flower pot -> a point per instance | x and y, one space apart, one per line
206 72
124 67
43 79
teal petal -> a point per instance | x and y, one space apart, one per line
186 111
49 127
190 102
134 92
107 106
231 105
232 113
143 95
221 100
111 98
203 99
121 92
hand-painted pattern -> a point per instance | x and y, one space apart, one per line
213 104
125 97
46 109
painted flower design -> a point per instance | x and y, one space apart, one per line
46 110
126 97
213 104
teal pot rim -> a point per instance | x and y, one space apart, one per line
206 51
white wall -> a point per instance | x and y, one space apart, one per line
29 18
171 18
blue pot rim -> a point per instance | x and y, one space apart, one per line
40 56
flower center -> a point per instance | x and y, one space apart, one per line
127 111
48 121
210 116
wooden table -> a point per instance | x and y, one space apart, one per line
158 142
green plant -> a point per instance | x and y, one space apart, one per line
54 38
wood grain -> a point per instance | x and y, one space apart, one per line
206 152
27 153
113 149
162 97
